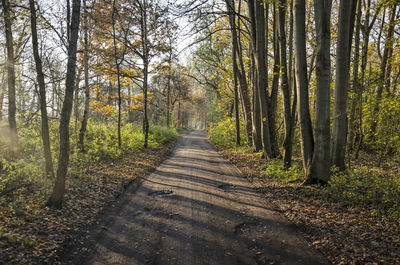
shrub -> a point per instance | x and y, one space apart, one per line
101 143
223 133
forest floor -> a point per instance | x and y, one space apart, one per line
346 232
33 234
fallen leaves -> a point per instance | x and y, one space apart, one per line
33 234
344 232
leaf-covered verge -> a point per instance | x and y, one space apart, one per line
353 220
31 233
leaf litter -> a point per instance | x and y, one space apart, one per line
31 233
346 233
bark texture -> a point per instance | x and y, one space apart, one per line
287 142
85 117
12 109
42 92
56 197
261 77
339 128
320 165
307 141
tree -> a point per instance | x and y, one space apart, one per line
339 127
56 197
85 117
307 141
286 87
117 64
8 17
385 69
320 165
239 65
148 20
42 91
257 20
230 5
356 82
273 97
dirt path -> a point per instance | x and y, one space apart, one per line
196 209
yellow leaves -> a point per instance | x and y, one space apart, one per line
135 107
101 107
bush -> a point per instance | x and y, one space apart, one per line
223 133
101 143
274 169
364 186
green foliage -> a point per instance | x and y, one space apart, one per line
386 136
223 133
274 169
101 143
159 135
222 129
364 186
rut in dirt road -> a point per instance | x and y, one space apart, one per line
197 209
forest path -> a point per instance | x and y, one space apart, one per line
197 209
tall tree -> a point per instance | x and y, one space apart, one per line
117 64
145 58
243 86
85 117
56 197
8 17
307 141
258 31
273 97
230 5
339 127
285 86
320 165
356 81
42 91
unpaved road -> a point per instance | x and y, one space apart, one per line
197 209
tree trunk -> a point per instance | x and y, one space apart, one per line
307 142
76 99
2 90
256 119
356 85
230 5
56 197
366 29
273 98
287 143
68 20
320 165
85 117
118 76
169 85
7 14
243 86
339 128
42 92
261 78
145 72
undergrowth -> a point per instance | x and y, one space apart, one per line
101 143
374 188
